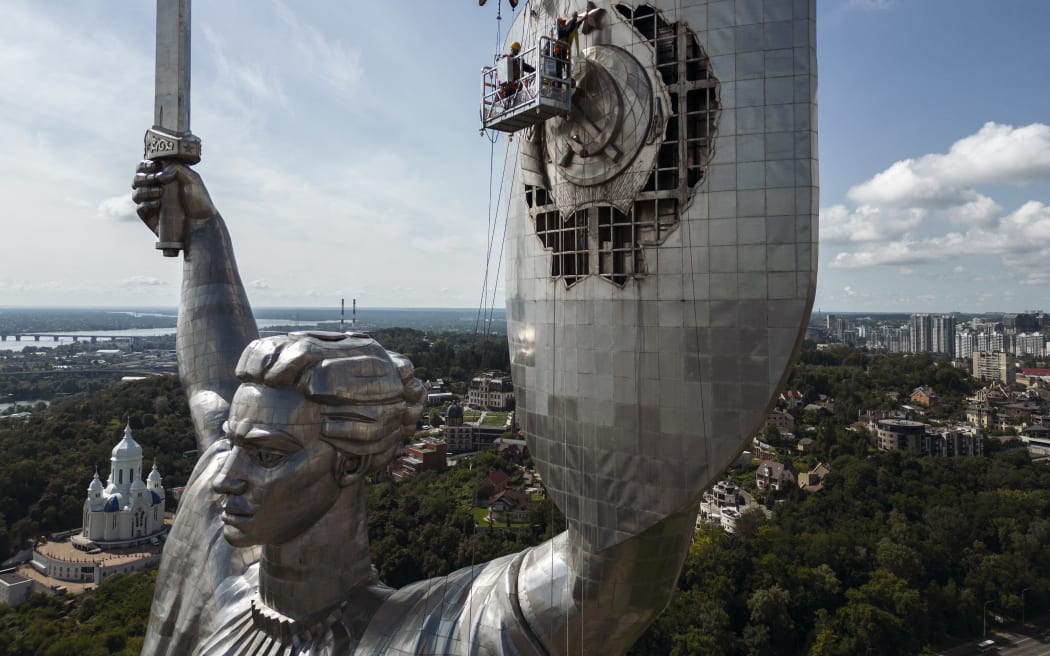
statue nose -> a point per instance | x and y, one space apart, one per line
229 479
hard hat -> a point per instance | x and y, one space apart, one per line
515 46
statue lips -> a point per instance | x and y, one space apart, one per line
235 511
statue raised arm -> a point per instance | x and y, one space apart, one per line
215 321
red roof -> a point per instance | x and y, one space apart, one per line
497 477
514 499
1036 372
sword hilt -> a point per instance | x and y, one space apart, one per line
164 146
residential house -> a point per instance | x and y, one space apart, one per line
981 414
1037 439
952 442
428 454
493 390
720 506
14 588
763 451
773 475
924 396
509 506
789 399
813 480
783 421
516 451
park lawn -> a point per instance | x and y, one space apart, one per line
495 419
481 519
481 516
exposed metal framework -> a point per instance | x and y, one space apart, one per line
605 241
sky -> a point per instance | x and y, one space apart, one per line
341 145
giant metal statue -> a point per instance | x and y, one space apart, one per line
662 265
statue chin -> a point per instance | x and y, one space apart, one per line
236 537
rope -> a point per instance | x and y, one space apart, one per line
489 229
503 239
688 252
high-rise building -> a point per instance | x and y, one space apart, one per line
994 366
932 333
965 342
1021 323
898 340
1030 344
921 333
942 337
991 342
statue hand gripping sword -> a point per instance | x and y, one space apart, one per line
170 139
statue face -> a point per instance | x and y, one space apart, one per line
280 477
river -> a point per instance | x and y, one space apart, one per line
10 344
6 405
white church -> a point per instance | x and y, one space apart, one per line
127 510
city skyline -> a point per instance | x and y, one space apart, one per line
342 147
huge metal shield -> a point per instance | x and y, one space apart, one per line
662 250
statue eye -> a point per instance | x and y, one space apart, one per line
269 458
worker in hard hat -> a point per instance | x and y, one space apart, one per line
516 68
564 32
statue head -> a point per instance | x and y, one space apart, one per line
315 413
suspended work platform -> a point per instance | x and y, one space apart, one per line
526 89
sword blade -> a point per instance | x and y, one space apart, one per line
171 109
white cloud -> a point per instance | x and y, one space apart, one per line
1021 239
258 284
995 154
241 82
871 4
436 244
867 223
330 60
143 281
902 185
981 211
117 207
928 209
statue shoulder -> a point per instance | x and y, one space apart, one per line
475 606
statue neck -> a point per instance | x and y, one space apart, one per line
325 565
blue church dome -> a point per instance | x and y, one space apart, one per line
112 505
156 498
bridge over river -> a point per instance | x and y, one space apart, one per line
70 337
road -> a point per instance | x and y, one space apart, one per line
1030 640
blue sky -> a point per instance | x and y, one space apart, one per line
341 145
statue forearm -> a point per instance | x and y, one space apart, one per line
215 324
579 599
